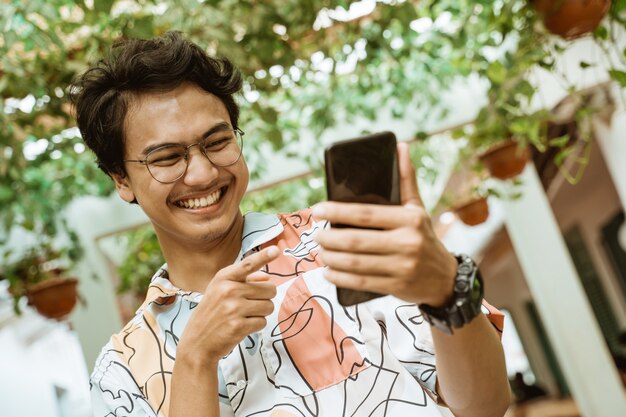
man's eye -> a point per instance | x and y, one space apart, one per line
217 144
165 158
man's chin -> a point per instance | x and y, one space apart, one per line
227 230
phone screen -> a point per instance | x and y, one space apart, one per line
362 170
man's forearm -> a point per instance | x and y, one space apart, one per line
471 373
194 389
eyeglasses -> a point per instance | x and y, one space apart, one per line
169 163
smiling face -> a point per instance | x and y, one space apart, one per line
202 207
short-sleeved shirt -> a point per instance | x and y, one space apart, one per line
315 357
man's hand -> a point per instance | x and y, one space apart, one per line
235 304
404 258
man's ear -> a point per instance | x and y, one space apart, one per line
122 184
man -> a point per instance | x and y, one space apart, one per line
243 318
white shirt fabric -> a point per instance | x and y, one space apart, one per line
315 358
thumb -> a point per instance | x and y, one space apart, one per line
409 191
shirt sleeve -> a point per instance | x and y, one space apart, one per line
410 339
114 392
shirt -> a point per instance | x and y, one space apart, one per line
313 358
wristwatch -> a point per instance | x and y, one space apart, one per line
466 301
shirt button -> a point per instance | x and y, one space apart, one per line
241 384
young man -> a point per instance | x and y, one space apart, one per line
243 319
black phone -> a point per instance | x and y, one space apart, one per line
362 170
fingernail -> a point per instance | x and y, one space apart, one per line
319 210
272 251
327 274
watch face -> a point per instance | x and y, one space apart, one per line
465 268
468 289
462 285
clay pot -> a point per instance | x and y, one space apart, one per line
572 18
505 160
474 212
54 298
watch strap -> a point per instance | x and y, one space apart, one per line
466 302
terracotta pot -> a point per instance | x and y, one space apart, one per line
505 160
572 18
473 212
54 298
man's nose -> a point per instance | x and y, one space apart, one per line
199 168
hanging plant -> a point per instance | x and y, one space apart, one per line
501 137
40 275
473 212
55 297
571 19
505 160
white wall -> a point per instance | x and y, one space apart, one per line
99 318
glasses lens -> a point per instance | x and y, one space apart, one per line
223 148
167 164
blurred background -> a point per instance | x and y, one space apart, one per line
515 115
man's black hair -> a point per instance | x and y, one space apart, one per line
103 94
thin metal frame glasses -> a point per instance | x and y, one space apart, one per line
169 163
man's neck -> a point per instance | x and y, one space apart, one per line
192 267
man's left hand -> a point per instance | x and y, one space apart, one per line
403 258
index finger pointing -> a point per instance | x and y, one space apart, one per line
409 191
251 263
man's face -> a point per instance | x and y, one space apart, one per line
182 116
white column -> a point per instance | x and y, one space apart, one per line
561 302
99 318
612 143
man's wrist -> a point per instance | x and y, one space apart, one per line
445 292
465 303
193 360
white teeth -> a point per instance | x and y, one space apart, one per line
201 202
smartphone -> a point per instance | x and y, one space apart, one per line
362 170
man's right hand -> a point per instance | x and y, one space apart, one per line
234 305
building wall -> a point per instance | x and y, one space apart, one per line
589 204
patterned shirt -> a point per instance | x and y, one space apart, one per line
315 358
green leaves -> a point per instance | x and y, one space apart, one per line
142 27
496 72
402 56
103 6
559 141
618 76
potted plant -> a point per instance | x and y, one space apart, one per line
40 275
604 20
505 160
500 137
500 140
572 18
472 212
505 128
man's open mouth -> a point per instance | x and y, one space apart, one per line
201 202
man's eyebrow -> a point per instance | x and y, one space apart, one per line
219 127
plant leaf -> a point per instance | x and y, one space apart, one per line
618 76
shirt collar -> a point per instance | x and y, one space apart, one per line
258 228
